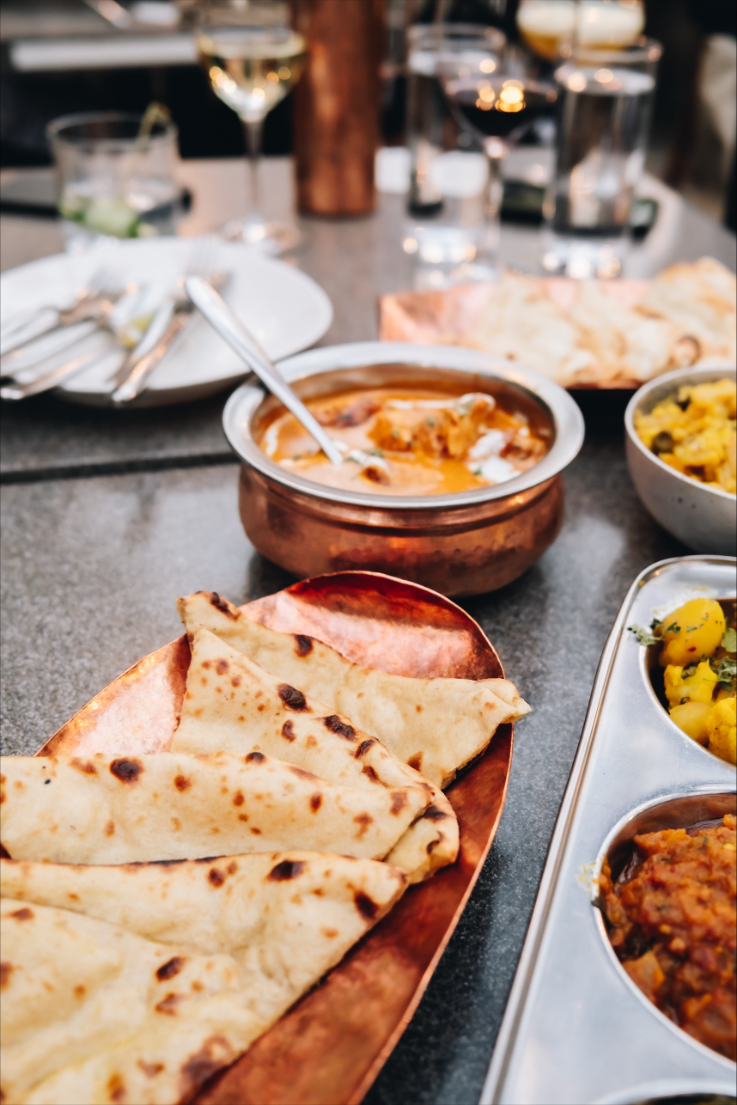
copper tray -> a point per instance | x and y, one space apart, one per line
329 1048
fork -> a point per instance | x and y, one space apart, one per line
170 319
86 306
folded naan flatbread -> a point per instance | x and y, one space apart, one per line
94 1011
240 905
434 725
102 809
233 704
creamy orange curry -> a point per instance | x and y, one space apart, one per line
411 441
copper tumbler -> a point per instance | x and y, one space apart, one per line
336 106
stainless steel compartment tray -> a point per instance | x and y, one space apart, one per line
576 1030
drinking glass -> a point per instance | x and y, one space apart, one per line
605 100
115 175
252 59
453 208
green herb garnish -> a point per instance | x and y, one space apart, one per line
729 640
726 670
645 636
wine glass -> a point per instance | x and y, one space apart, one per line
252 59
495 99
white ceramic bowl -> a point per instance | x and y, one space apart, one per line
704 518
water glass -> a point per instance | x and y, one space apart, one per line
113 177
452 225
604 105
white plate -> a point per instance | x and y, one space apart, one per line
286 310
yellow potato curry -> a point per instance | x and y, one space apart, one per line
411 441
698 646
693 431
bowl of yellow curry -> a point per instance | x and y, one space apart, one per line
451 464
680 438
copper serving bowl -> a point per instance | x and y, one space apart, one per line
460 544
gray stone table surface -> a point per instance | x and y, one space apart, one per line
354 260
91 569
92 564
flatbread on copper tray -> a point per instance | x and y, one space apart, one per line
436 726
133 985
234 704
588 333
156 916
108 809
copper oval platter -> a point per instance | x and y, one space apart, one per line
330 1046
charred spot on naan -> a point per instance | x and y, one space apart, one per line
126 770
434 813
168 1005
85 766
292 698
287 869
303 645
6 970
302 773
364 747
287 731
255 758
366 906
341 728
171 968
220 604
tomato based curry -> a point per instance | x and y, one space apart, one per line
672 922
411 440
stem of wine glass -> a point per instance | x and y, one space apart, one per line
496 150
254 132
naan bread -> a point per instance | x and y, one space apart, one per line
434 725
699 298
261 905
233 704
93 1011
522 323
625 342
101 809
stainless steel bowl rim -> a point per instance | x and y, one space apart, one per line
567 419
669 382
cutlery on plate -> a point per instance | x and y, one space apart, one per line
53 378
172 316
96 302
75 365
227 324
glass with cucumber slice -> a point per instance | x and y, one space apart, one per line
115 174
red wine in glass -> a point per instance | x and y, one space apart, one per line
498 108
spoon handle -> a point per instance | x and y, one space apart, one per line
231 329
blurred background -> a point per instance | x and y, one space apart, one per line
60 56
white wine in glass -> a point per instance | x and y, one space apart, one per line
252 60
551 27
